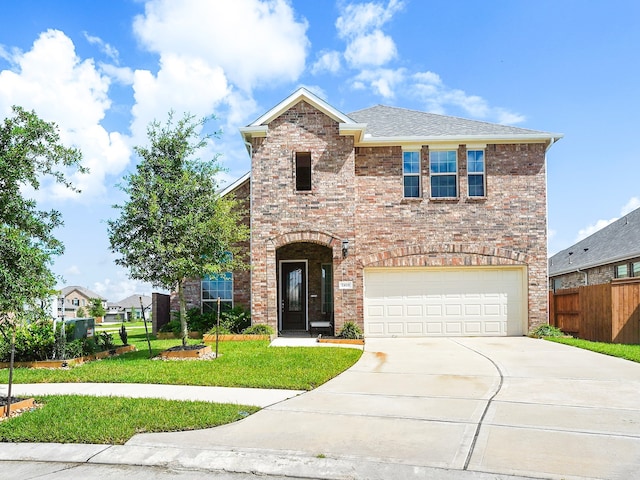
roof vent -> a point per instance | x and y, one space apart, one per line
570 253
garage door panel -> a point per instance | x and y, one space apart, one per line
445 302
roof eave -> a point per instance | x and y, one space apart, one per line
601 263
459 139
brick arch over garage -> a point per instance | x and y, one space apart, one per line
440 255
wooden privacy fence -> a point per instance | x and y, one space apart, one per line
601 313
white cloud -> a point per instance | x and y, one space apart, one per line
327 62
361 26
51 80
254 42
632 204
106 48
430 89
360 18
382 81
183 84
374 49
72 270
116 289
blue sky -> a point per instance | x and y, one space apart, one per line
102 69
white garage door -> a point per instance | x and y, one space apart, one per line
414 302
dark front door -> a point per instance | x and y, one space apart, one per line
294 295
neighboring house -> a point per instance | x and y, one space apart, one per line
612 252
128 309
408 223
76 297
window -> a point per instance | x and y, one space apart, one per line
621 271
411 174
635 269
327 288
476 173
443 168
75 302
214 286
303 171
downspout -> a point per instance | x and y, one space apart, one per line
586 276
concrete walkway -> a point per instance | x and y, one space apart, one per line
475 408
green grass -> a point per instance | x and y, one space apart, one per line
240 364
628 352
113 420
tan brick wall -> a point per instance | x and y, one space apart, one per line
357 195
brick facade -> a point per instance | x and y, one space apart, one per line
357 196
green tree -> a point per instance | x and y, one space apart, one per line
96 309
30 151
80 313
175 225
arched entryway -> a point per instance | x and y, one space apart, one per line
305 286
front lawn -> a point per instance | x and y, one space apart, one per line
113 420
240 364
628 352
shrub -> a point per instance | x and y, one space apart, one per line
221 331
124 336
104 341
172 327
350 330
546 331
236 319
74 349
34 341
258 329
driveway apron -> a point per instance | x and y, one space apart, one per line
510 405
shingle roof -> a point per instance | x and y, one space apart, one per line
133 301
384 121
614 243
84 291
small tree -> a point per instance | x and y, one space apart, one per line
80 313
174 225
96 309
30 149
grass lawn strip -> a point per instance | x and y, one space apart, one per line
628 352
251 364
113 420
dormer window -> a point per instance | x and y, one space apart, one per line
303 171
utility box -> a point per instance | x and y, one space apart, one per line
83 327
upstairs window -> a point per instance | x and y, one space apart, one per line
476 173
303 171
443 169
411 174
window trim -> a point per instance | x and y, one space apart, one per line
214 300
616 271
299 178
417 174
326 287
455 174
483 174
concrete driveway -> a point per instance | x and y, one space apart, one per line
510 405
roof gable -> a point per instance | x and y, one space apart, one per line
614 243
302 94
83 291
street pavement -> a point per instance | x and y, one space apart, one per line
441 408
